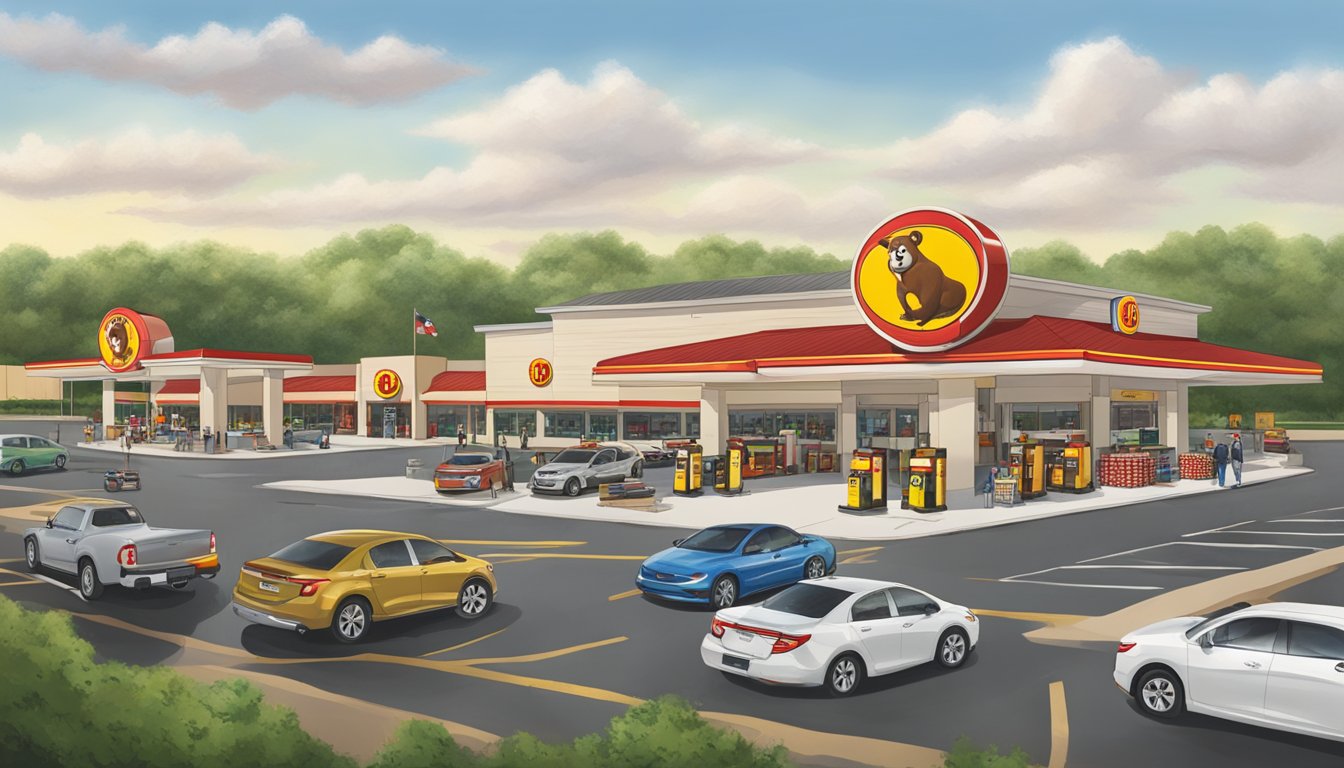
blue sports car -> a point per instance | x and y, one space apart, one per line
720 565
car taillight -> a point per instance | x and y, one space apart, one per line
212 542
1125 647
716 627
309 586
785 643
127 555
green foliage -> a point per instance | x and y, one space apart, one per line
964 754
663 733
60 708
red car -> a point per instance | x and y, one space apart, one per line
472 468
1276 441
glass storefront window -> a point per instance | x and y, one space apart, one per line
244 416
478 420
1133 415
812 425
311 415
602 425
692 423
564 423
402 425
445 420
1032 417
652 425
511 422
873 422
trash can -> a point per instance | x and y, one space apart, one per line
415 469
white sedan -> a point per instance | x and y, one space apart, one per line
1277 665
836 631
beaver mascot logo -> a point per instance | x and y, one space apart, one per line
938 294
118 339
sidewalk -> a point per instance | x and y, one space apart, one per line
339 444
808 509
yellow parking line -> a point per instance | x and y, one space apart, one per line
12 560
857 551
521 544
544 655
556 556
462 645
20 583
623 595
1053 619
1059 726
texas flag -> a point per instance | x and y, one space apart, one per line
424 325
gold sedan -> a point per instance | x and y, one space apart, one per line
347 580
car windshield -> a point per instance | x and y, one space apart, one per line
716 539
103 518
468 459
810 600
573 456
318 555
1193 632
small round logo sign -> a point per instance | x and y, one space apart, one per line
121 338
540 372
387 384
929 279
1125 315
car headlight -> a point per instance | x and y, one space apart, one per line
474 481
696 576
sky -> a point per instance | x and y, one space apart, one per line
277 127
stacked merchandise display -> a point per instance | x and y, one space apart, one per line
1196 466
1127 470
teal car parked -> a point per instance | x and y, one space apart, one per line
20 453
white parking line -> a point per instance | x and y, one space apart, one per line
1216 530
1128 552
1070 584
1314 511
1288 533
56 583
1243 546
1307 520
1152 567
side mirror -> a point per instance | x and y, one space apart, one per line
677 542
930 609
48 522
1206 640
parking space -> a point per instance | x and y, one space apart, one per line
1199 555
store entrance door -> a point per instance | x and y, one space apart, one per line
389 420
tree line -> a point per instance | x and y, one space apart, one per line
353 296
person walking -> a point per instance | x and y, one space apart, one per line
1220 456
522 436
461 436
1236 457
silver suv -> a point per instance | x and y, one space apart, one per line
587 465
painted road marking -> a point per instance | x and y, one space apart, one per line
461 645
857 551
860 556
1152 567
1069 584
1308 520
1215 530
56 583
18 583
623 595
1053 619
520 544
1288 533
1314 511
557 556
1059 726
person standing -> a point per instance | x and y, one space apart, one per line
1236 458
461 436
1220 456
522 436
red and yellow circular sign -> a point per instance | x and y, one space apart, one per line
1125 315
540 372
386 383
929 279
121 337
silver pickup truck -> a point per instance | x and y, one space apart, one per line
107 543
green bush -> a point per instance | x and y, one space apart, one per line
58 707
663 733
964 754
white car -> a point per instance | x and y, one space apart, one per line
1277 665
835 631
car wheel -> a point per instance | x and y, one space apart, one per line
724 593
16 468
90 588
814 568
60 461
953 648
1160 694
31 555
110 485
352 620
573 487
637 469
475 599
844 675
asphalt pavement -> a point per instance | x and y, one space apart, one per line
567 646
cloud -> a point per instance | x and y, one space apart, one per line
547 149
135 161
1110 129
760 204
243 69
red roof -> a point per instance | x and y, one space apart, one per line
320 384
181 387
1033 338
457 381
230 354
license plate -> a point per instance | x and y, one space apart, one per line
736 662
181 573
268 587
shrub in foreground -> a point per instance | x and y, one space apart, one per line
964 754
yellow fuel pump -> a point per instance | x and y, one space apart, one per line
1026 461
928 480
728 472
1071 470
866 485
686 481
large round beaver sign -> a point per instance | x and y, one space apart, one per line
929 279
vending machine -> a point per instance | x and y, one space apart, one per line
928 480
1071 468
687 480
867 483
1026 461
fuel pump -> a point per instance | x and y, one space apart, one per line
728 472
867 482
1027 463
928 480
1071 470
687 480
